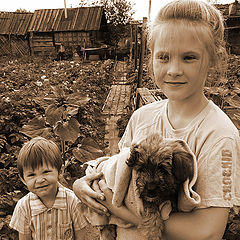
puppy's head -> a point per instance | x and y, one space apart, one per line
161 166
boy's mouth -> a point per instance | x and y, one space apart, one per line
41 187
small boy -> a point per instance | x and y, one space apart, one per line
49 211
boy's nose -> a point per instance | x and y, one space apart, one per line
174 69
40 179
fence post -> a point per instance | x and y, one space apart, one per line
135 46
142 53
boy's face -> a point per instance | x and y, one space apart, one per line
42 181
180 63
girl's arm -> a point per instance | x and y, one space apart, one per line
24 236
201 224
121 212
83 190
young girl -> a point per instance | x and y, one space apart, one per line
186 42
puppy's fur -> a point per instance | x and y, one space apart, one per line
162 166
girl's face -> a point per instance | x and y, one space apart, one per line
180 62
42 181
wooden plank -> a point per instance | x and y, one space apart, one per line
75 19
39 21
83 18
89 19
45 26
55 14
32 23
58 21
145 96
50 19
43 49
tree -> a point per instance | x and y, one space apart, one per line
118 14
20 10
117 11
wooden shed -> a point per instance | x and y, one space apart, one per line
77 27
231 13
14 33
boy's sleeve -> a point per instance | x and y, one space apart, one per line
219 175
78 219
20 221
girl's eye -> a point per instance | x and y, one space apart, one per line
46 171
190 58
163 58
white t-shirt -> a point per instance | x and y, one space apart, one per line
213 139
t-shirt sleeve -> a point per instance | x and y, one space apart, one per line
218 181
20 220
127 137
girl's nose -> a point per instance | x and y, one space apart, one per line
174 69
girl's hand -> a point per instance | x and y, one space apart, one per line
82 189
122 211
107 193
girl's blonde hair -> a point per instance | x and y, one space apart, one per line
38 151
201 16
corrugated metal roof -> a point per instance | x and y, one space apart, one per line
78 19
14 22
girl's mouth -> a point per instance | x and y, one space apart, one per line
176 83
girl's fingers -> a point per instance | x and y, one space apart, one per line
103 185
96 206
96 187
93 176
106 190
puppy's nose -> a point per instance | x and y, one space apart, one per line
152 189
151 186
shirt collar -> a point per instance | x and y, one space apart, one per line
37 207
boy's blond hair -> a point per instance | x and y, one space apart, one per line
38 151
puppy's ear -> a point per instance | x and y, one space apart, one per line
134 154
182 165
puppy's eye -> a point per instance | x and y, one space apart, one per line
139 169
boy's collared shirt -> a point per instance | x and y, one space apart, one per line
60 221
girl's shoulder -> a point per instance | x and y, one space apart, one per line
218 119
153 105
150 109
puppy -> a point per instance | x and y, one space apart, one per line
162 166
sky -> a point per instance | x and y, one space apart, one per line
140 6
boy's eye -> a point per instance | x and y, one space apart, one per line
47 171
30 175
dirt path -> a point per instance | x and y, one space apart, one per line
114 108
